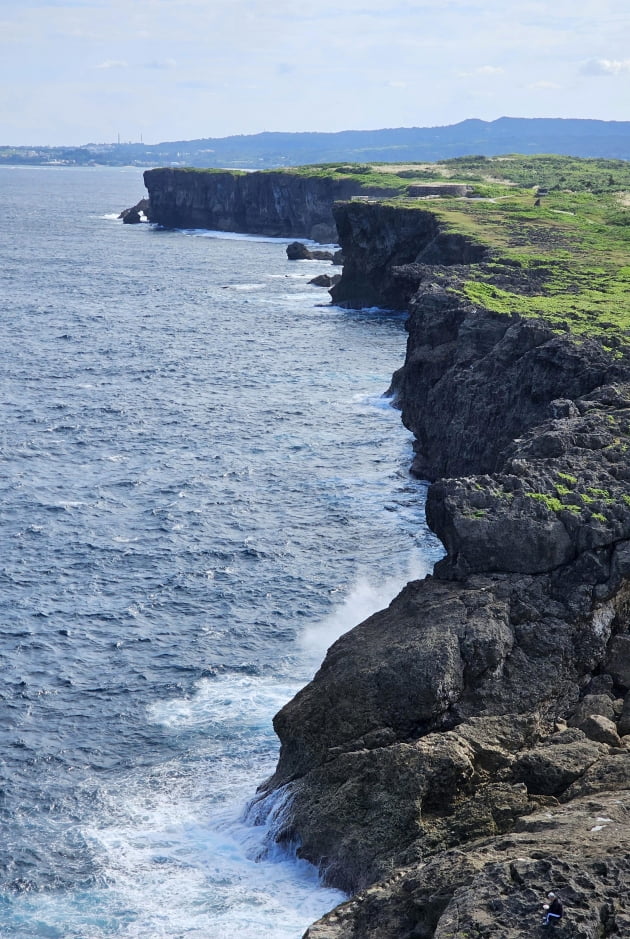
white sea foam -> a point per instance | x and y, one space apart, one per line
232 236
363 599
182 852
237 702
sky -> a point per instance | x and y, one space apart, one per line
93 71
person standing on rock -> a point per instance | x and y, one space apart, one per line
554 910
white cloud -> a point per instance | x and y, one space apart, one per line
605 67
219 67
112 63
161 64
544 85
483 70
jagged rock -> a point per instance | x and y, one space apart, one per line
383 238
550 770
611 773
324 280
602 685
279 204
601 729
618 663
475 382
137 213
469 743
297 251
591 704
624 718
495 888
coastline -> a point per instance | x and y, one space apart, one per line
491 698
467 749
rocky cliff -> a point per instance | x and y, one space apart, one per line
467 749
278 204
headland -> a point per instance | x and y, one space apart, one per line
466 750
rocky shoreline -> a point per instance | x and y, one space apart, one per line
467 749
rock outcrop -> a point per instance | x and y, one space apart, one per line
137 213
278 204
465 750
298 251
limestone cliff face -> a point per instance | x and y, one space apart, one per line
468 748
277 204
381 239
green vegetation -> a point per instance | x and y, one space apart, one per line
477 513
598 493
552 503
562 490
557 229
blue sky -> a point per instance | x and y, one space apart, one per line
79 71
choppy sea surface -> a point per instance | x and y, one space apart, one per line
202 486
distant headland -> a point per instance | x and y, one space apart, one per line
575 137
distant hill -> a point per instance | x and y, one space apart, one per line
573 137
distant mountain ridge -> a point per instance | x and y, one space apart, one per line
569 136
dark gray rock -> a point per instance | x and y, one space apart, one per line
551 770
618 662
325 280
297 251
139 212
601 729
432 749
279 204
624 719
590 704
495 888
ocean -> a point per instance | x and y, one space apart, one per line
203 485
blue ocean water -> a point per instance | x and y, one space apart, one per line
201 487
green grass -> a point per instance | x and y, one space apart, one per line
552 503
566 260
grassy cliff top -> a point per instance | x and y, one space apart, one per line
558 227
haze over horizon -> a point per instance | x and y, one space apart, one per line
80 71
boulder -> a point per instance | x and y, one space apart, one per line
325 280
592 704
137 213
601 729
297 251
624 718
618 662
550 770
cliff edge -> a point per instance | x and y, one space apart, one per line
282 204
464 751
